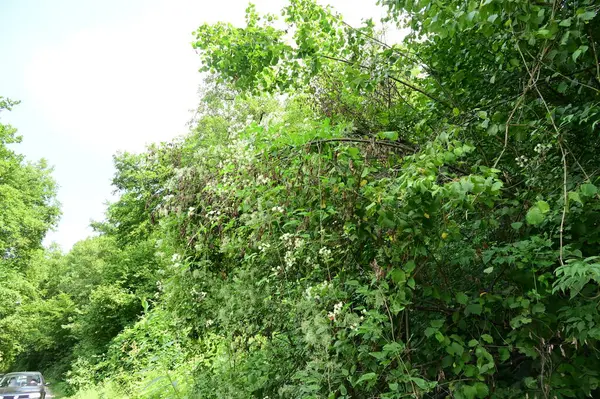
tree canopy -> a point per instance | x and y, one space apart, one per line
350 217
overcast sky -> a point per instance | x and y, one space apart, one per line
96 77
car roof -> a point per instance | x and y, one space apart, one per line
23 373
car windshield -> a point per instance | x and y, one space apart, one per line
20 380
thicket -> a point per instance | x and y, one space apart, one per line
350 218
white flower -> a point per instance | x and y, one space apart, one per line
287 239
542 148
278 209
262 180
289 259
209 323
325 253
522 161
263 247
337 309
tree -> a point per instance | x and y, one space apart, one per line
29 209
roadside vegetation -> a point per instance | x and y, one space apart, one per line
347 218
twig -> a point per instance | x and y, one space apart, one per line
595 56
564 212
366 141
402 82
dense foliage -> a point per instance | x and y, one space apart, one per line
28 211
351 218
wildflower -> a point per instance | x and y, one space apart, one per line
522 161
325 253
262 180
289 259
263 247
337 309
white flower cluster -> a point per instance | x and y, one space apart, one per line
337 309
313 291
262 180
264 247
278 209
325 253
242 152
290 259
213 215
522 161
354 325
298 243
209 323
287 239
542 148
199 294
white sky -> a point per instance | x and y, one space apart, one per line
95 77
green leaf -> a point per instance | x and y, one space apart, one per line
589 190
562 87
429 331
343 390
545 33
587 16
455 349
516 225
462 298
439 336
437 323
492 18
409 266
398 276
421 383
538 308
489 270
574 196
366 378
469 392
487 338
543 206
473 308
389 135
504 354
565 22
534 216
482 390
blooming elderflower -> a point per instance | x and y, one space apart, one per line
337 309
325 253
263 247
522 161
298 243
289 259
287 239
542 148
262 180
278 209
